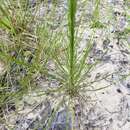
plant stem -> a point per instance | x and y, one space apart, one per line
71 17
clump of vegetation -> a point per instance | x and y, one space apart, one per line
22 53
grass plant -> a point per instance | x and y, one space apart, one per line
22 53
72 67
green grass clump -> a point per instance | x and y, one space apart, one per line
72 67
96 16
24 52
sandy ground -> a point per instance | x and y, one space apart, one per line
101 109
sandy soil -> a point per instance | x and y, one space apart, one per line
101 109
